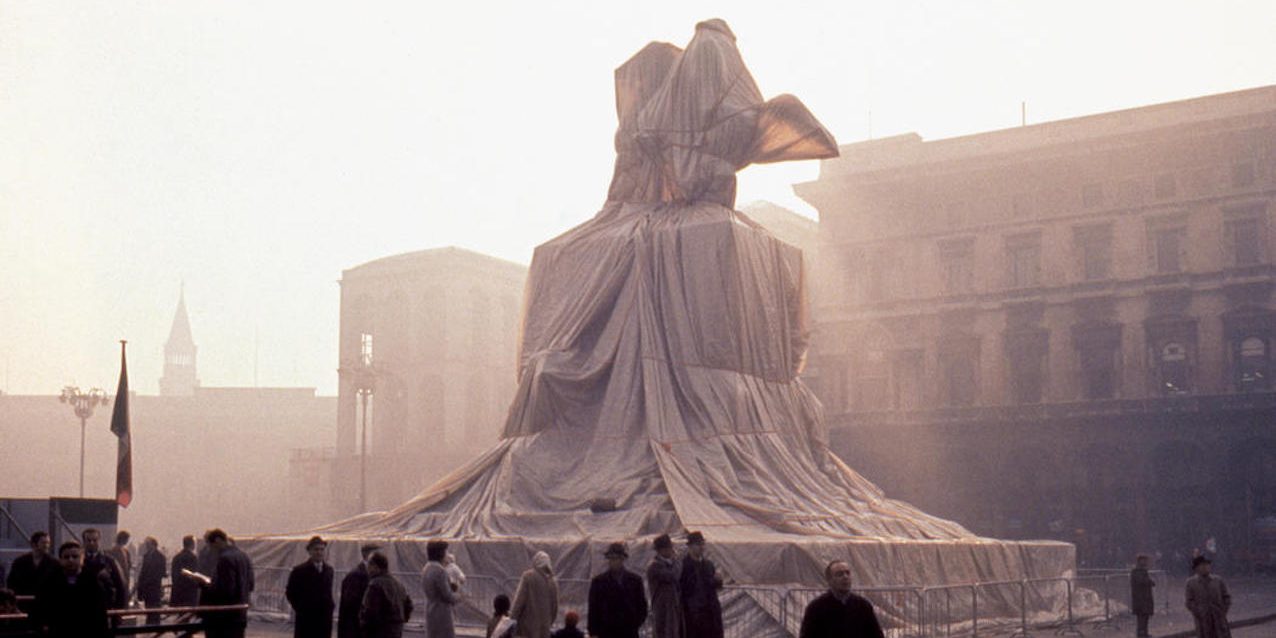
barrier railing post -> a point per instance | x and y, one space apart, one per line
948 613
784 610
974 611
1071 628
1107 600
1023 607
921 613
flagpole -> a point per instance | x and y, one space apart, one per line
120 428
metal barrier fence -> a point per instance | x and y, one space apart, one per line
186 621
1003 607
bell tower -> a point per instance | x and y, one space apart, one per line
179 355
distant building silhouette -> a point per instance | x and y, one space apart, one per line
434 333
180 378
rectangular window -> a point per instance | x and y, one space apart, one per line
959 377
1247 250
957 261
1027 354
1092 195
1251 363
1023 257
1246 235
1098 373
365 349
1167 249
959 366
1242 174
1021 205
1172 368
1094 247
908 380
879 276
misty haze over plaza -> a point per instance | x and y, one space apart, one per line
255 152
1010 262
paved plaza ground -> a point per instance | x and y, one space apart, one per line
1251 598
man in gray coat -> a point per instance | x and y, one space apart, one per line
440 597
1208 600
662 585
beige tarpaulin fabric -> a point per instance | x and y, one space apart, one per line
658 371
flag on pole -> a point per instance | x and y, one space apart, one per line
119 425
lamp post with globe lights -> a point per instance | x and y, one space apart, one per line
84 403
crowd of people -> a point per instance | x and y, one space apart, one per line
71 592
678 598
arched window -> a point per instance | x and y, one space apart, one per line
1252 364
873 381
1173 364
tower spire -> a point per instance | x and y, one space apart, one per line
180 376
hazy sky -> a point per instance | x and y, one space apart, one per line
256 149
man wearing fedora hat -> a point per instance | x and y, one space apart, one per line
1208 600
309 591
353 587
617 604
662 583
699 584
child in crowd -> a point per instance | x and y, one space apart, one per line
500 613
569 630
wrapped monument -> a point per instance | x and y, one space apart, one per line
658 378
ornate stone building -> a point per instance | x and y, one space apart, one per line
1061 330
430 337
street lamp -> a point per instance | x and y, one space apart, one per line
83 403
365 386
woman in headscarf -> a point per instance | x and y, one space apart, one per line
536 601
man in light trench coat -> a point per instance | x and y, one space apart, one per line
1208 600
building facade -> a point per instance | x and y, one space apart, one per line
1062 330
428 353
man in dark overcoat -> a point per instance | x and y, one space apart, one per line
699 584
95 560
386 604
150 578
70 602
838 612
309 591
1142 603
617 604
30 569
232 583
184 591
353 586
